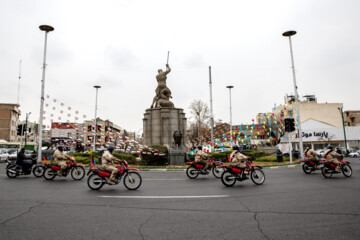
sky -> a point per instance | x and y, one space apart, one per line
120 45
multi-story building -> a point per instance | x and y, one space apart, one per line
352 118
9 118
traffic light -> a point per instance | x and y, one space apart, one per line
292 125
20 130
289 125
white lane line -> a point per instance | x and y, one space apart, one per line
166 197
159 179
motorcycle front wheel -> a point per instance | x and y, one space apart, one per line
257 176
95 182
228 179
306 168
132 180
326 172
49 174
11 171
192 172
347 170
38 171
78 173
217 171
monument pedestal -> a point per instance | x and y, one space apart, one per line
159 125
177 157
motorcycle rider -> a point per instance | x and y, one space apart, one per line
201 157
20 160
107 163
331 156
60 157
310 154
239 160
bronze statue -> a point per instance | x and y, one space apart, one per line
177 138
163 93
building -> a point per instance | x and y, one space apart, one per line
352 118
9 119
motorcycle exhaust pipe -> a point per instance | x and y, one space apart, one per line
12 171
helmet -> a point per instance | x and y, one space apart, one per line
199 147
235 148
61 148
330 147
22 149
110 148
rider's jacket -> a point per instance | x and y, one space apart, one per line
60 156
331 155
310 154
108 159
237 157
200 155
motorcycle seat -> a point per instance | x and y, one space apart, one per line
102 169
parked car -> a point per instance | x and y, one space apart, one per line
12 153
3 155
354 154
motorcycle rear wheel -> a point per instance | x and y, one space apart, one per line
38 171
257 176
95 182
217 171
9 173
228 178
78 173
132 180
49 174
325 172
347 170
192 172
306 168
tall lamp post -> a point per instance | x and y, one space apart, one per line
289 34
26 127
342 116
96 87
230 87
46 29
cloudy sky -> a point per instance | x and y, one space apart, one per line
120 44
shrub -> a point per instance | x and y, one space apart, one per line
155 160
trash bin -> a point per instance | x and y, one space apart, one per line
279 156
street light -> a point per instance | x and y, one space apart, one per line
342 116
46 29
230 87
96 87
289 34
26 127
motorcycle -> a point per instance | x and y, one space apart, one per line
232 174
310 166
13 170
195 169
328 168
99 176
76 170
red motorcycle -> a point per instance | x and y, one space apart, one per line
99 176
77 170
195 169
310 166
328 168
232 174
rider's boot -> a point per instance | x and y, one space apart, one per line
59 173
111 182
337 169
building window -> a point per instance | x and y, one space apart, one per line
352 120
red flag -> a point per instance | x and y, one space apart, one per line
229 158
92 160
45 159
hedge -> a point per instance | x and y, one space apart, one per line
151 159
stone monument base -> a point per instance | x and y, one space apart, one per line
177 157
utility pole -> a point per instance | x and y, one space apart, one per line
211 109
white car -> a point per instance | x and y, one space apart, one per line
354 154
320 152
3 155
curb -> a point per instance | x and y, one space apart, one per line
184 169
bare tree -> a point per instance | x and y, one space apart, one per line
199 120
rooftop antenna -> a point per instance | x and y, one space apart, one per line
19 83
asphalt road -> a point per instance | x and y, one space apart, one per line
168 205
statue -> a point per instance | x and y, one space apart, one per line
177 138
163 93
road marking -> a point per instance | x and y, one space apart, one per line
149 179
166 197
